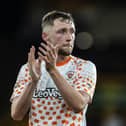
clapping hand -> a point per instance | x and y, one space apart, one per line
34 65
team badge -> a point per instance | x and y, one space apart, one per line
70 74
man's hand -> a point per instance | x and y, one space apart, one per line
49 55
34 66
22 103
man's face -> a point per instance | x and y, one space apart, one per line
63 33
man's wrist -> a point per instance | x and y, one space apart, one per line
34 81
52 70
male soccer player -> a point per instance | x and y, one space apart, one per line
57 87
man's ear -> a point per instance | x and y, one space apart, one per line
44 36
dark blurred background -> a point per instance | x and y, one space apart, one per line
105 45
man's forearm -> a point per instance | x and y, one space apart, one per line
21 104
74 98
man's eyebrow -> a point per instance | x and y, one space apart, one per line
61 29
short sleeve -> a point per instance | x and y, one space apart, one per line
23 79
86 78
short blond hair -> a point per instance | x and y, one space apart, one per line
48 19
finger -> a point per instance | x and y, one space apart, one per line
40 55
29 54
39 64
50 44
51 54
43 57
45 46
43 52
52 48
50 51
29 61
55 52
46 59
32 50
49 57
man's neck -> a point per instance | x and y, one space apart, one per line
61 58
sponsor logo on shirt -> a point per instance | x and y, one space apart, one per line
48 92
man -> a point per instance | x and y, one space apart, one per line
57 87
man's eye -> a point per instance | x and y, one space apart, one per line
62 31
72 31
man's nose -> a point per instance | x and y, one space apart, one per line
69 36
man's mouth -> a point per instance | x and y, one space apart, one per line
68 45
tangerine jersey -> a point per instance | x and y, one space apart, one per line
48 107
